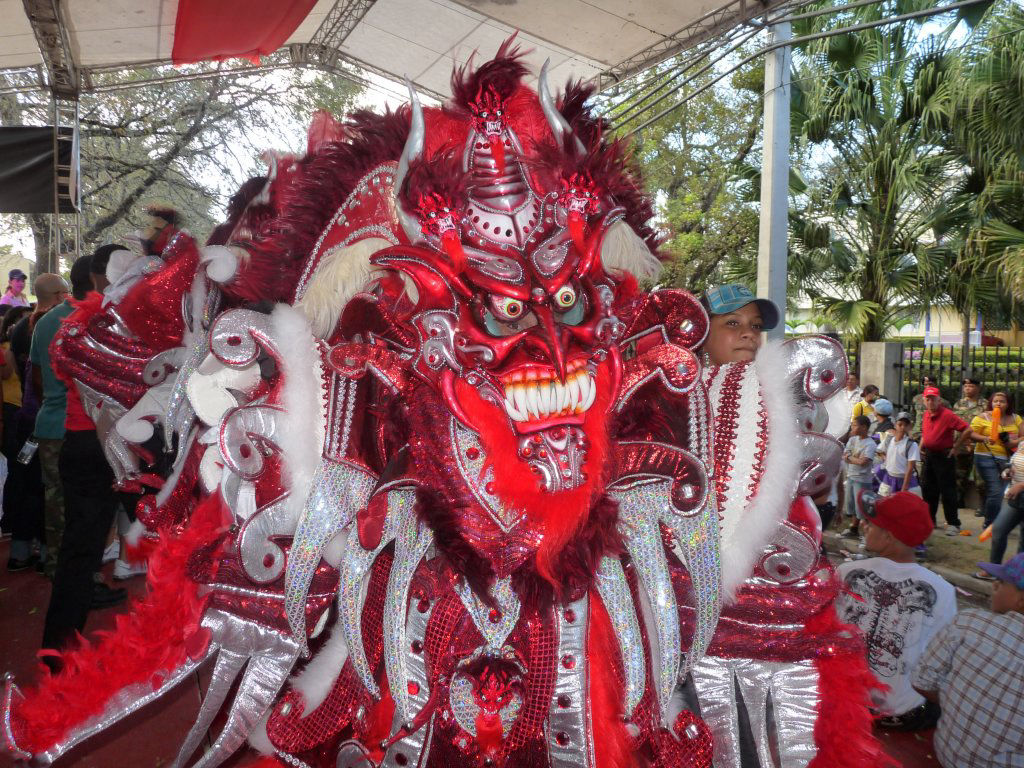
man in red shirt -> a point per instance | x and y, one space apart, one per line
942 434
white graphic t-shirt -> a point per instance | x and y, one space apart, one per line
903 606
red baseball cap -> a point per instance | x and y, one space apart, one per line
903 514
931 392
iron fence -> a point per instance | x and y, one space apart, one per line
997 368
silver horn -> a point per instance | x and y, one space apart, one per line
413 150
559 125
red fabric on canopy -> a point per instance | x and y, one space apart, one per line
225 29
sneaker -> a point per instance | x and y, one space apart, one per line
123 570
112 552
850 533
978 513
952 530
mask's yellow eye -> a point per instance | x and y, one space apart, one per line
565 297
507 308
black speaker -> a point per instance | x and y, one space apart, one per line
27 170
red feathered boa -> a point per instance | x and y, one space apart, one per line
843 731
157 636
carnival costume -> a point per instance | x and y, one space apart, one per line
446 487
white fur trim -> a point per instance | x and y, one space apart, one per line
747 527
623 250
343 271
221 261
258 738
315 681
302 419
134 533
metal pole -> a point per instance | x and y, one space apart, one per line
772 233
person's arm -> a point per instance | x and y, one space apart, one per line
980 429
962 438
908 474
937 662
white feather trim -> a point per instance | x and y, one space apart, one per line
302 419
343 271
624 251
315 681
746 534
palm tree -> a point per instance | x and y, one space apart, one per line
984 113
864 238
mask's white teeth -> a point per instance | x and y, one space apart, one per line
591 392
519 398
565 397
574 392
584 381
544 397
532 402
510 406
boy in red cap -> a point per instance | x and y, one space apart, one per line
898 604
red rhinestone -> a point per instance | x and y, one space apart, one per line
423 606
413 687
494 615
569 661
489 488
417 646
827 376
401 759
570 615
537 439
562 738
473 454
564 701
268 560
542 453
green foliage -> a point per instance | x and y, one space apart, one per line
690 160
188 143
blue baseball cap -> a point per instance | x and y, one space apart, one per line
723 299
1012 571
882 406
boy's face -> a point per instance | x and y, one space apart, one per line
860 430
1006 597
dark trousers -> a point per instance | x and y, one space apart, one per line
938 480
89 512
1011 515
23 489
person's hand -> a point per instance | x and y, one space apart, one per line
1015 490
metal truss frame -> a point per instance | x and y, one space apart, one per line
707 27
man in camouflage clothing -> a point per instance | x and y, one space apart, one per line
967 407
918 406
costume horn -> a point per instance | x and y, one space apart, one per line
559 125
413 150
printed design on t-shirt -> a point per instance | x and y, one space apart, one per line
887 616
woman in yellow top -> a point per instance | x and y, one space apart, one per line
996 434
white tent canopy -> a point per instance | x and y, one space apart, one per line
595 40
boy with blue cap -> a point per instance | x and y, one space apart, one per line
737 319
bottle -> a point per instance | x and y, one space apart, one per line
28 450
